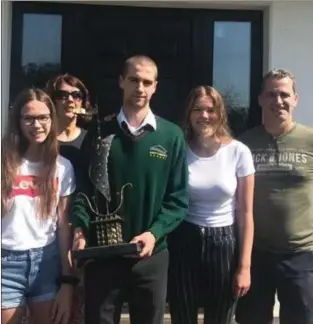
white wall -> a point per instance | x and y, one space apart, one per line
6 18
290 46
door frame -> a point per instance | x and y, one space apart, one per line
201 69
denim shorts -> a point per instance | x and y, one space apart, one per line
29 276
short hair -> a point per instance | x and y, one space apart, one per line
55 83
278 74
138 59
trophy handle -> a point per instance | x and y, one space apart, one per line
89 204
108 214
122 197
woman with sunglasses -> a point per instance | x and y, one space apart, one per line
71 99
36 186
209 260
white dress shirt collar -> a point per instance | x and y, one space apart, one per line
149 120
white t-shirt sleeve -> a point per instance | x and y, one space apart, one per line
245 165
68 184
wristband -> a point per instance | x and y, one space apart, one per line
68 280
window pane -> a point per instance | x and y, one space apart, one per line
231 68
41 51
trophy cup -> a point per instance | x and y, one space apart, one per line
106 227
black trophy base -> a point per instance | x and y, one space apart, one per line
104 252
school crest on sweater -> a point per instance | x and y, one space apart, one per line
158 151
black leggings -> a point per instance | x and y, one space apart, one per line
203 262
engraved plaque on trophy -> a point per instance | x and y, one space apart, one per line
105 227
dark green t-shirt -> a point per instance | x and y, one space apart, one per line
155 165
283 199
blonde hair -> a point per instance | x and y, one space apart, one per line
222 129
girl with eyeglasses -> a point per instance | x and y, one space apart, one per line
36 186
209 258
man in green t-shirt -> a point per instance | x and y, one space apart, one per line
147 152
282 259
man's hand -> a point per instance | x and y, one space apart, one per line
147 239
79 240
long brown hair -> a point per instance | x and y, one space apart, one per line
15 145
222 129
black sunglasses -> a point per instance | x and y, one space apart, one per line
64 95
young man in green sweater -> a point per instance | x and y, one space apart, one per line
149 153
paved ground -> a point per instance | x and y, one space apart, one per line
167 320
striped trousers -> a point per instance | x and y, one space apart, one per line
202 265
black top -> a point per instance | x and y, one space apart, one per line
71 151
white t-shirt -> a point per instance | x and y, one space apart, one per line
22 229
213 184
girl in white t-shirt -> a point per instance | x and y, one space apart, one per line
210 251
35 189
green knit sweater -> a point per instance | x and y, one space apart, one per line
155 165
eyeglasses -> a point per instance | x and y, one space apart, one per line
29 120
64 95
